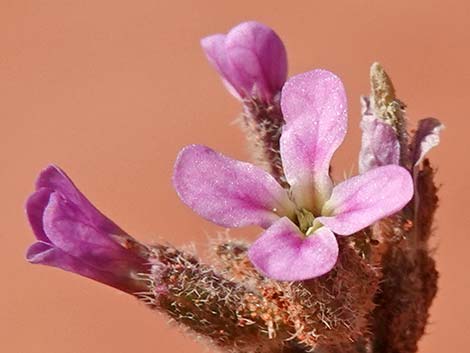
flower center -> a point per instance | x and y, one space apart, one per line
306 221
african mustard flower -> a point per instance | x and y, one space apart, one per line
300 223
251 59
73 235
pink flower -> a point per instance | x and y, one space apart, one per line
300 223
74 236
251 60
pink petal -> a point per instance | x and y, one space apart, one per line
70 231
380 145
47 254
306 163
228 192
366 198
318 93
251 59
55 179
214 48
35 206
315 109
258 57
284 253
426 137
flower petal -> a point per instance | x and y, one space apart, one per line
46 254
380 145
214 48
283 253
75 236
70 231
35 206
228 192
54 178
366 198
426 137
315 109
251 59
259 58
318 93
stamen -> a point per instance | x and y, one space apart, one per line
305 219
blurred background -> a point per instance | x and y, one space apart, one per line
111 90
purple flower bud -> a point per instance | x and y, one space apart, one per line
74 236
251 59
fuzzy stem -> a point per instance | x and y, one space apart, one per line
209 305
262 123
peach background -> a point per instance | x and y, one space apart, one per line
111 90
